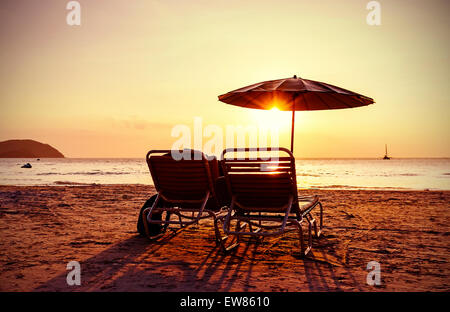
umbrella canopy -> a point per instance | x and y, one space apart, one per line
294 94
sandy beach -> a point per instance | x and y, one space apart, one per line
42 228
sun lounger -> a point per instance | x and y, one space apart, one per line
185 189
264 198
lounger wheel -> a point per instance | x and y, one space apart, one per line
143 227
152 231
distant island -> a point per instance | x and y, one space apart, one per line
27 149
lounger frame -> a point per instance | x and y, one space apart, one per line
282 218
174 206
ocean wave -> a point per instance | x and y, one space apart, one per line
72 183
308 175
84 173
407 175
387 175
351 187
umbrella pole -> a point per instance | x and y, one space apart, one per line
292 131
293 122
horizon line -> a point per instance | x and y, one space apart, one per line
125 157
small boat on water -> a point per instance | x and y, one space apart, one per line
386 157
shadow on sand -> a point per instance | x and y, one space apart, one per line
135 264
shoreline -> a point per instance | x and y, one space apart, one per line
311 174
323 188
296 158
42 228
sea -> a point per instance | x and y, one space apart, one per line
394 174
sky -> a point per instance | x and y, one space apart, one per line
118 84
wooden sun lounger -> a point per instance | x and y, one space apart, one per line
264 198
185 187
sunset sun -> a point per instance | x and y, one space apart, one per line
272 118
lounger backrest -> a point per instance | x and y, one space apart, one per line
259 184
180 180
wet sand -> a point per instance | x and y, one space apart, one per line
43 228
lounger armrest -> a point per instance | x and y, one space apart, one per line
309 202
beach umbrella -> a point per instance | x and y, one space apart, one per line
294 94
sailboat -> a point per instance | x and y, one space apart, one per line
386 155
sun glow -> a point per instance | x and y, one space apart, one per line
272 118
